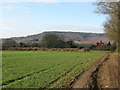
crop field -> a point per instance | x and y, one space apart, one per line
44 69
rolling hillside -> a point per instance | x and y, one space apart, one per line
75 36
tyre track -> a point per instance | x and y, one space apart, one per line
93 78
28 75
52 82
89 77
9 67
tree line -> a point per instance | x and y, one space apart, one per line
48 41
112 24
53 41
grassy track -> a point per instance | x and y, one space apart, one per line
42 69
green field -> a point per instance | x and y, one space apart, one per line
44 69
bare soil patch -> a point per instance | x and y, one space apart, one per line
104 74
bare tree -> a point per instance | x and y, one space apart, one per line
112 24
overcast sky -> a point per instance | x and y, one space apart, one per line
27 18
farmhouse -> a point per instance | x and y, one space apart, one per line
99 46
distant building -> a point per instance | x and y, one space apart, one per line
99 46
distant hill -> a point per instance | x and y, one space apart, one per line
74 36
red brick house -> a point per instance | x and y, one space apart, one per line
99 46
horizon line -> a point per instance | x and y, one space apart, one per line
52 31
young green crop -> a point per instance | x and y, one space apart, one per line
44 69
